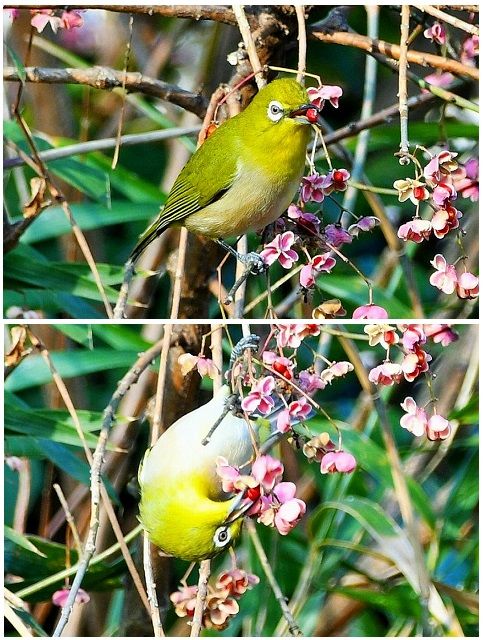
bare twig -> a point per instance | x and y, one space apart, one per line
115 157
370 85
109 415
69 518
393 51
446 17
151 588
105 143
107 79
205 570
403 86
293 627
246 34
302 38
239 298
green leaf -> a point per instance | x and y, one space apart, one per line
19 65
33 371
82 334
28 619
21 540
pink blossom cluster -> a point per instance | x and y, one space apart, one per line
221 602
410 339
270 501
321 449
56 19
442 179
468 52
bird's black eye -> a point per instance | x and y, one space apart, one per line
222 536
275 111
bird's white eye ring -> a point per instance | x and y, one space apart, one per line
275 111
222 537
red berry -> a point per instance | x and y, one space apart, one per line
419 193
338 176
312 115
253 493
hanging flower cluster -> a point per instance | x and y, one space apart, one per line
412 341
221 603
439 183
57 19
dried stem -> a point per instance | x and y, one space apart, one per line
205 570
246 34
393 51
151 588
302 38
403 86
107 79
69 518
446 17
130 378
115 157
293 627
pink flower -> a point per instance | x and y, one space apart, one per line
280 364
366 223
467 286
282 509
311 188
443 193
442 333
318 95
288 336
415 420
445 79
336 180
415 230
445 277
236 581
280 249
267 471
42 17
304 219
60 597
337 461
229 475
72 19
382 334
297 411
184 601
436 32
336 370
12 14
413 336
413 190
467 184
259 398
443 164
322 262
205 366
445 220
370 312
438 428
336 235
386 373
470 49
415 363
310 382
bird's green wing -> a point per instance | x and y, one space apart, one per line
204 179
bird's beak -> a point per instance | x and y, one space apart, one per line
238 509
306 114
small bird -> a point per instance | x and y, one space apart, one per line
245 174
183 507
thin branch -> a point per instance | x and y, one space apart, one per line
105 143
302 38
393 51
129 378
403 86
151 589
446 17
107 79
205 570
246 34
293 627
69 517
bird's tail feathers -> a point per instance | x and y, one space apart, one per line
155 230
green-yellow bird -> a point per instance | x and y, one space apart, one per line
183 507
245 174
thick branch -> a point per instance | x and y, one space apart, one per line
108 79
394 51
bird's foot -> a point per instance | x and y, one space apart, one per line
254 265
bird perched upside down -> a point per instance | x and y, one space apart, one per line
245 174
183 507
